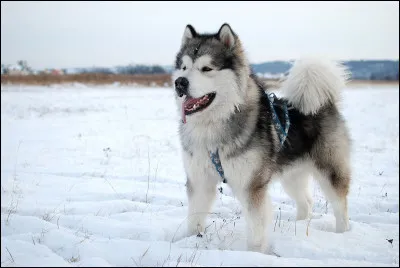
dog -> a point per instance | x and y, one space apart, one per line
232 130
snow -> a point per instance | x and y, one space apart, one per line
93 176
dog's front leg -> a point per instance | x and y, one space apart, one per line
257 210
201 196
201 190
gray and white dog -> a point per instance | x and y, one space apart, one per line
225 109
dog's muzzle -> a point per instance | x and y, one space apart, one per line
181 86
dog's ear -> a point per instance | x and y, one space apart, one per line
189 33
226 35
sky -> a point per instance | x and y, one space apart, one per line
99 33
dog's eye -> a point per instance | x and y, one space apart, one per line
184 68
206 69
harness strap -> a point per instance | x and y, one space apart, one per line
217 163
282 132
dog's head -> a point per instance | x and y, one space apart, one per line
210 74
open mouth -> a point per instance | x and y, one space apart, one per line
194 105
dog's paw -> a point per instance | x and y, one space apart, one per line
258 245
258 248
342 225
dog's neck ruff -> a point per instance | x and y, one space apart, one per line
282 132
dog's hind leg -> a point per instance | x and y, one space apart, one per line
295 183
336 187
333 172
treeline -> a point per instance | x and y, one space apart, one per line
360 69
130 69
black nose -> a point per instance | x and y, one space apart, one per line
181 86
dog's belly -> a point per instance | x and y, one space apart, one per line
294 169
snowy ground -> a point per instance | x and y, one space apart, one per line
94 177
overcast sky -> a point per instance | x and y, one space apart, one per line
83 34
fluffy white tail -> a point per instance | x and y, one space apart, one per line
313 82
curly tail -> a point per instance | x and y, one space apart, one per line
312 83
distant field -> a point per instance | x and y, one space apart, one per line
94 79
162 80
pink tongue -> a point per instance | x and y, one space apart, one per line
188 103
183 113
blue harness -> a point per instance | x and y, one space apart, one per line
282 132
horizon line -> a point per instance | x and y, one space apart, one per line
171 65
